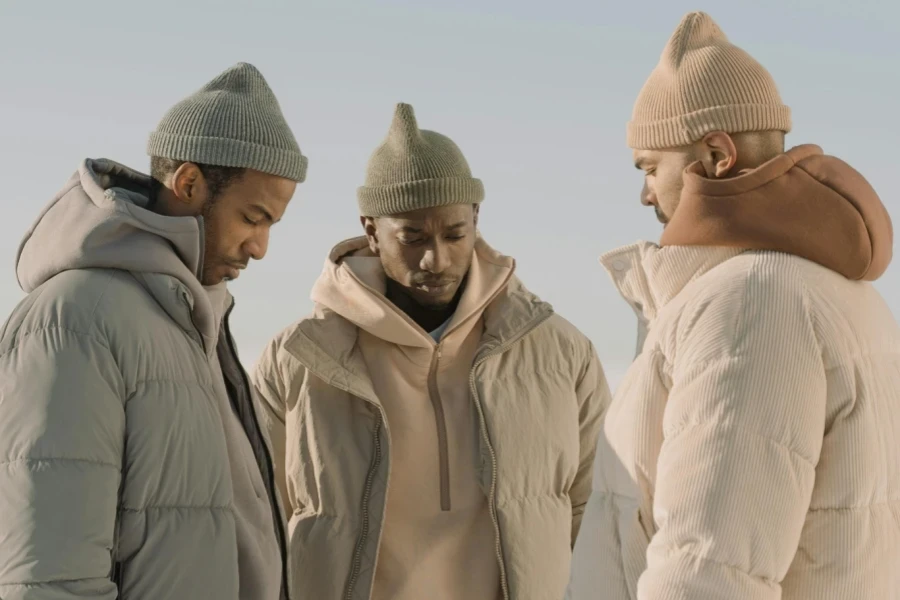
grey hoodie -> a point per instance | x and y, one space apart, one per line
126 457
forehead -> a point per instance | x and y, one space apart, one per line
433 218
259 190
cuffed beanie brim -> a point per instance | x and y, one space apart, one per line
684 130
225 152
413 195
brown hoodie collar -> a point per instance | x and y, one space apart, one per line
802 202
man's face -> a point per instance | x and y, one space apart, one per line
663 181
237 223
427 252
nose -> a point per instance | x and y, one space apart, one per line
258 245
648 198
436 258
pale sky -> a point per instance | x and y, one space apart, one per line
536 94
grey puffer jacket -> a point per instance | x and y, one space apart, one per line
117 469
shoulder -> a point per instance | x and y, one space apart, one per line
76 300
322 330
748 284
755 298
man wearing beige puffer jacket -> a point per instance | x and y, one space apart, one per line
434 422
752 449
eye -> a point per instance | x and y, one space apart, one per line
249 221
457 237
407 242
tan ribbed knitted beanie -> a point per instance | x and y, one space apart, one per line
416 169
703 83
233 121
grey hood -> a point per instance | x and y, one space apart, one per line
99 221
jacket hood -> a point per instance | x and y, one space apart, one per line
353 285
100 220
802 202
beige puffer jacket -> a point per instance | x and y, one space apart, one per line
540 394
753 449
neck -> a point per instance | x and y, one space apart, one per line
425 317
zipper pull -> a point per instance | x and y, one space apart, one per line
439 351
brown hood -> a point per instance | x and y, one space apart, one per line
802 202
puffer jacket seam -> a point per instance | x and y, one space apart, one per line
778 443
168 380
860 508
33 459
766 580
533 498
226 507
37 584
77 332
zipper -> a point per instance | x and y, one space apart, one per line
364 530
441 424
492 496
270 471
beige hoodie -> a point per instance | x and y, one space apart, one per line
438 533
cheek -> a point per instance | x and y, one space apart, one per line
399 263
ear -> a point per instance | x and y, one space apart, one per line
189 188
371 228
718 154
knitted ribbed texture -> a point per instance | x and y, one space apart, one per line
233 121
703 83
416 169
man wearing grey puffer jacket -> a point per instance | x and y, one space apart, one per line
132 464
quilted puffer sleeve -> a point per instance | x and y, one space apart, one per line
742 432
594 398
270 389
62 426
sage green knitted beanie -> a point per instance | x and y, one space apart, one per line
233 121
414 169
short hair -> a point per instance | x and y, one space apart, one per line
217 178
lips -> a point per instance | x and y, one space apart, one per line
435 289
234 270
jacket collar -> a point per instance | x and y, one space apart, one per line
649 276
325 342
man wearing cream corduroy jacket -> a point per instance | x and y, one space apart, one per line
434 421
753 448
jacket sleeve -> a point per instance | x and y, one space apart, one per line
594 398
742 431
269 385
62 427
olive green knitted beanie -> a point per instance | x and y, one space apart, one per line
414 169
704 83
233 121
